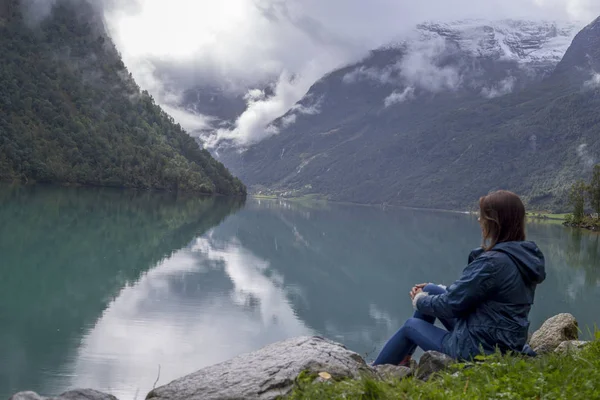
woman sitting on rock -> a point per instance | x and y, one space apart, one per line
488 307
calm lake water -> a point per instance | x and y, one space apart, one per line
100 288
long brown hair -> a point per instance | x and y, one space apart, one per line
502 218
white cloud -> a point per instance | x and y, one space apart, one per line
420 66
503 88
245 44
383 76
575 9
399 97
313 109
584 155
594 82
288 120
189 120
248 40
254 124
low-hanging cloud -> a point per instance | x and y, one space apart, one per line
255 123
431 60
386 75
503 88
399 97
246 44
420 66
594 82
584 155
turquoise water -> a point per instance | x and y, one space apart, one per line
102 288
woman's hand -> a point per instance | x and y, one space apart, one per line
417 289
415 292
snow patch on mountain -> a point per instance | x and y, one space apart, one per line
523 41
492 58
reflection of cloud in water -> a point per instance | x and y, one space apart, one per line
203 305
577 284
381 316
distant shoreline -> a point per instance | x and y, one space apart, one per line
307 200
315 199
590 225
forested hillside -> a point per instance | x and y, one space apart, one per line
70 111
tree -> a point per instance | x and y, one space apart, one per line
594 190
577 200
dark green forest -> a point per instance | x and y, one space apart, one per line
71 113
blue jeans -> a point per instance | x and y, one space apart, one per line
417 331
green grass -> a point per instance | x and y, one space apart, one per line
307 200
549 377
547 215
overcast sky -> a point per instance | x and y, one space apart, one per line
242 43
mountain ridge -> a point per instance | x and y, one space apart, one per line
535 46
439 147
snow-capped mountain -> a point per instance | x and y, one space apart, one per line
432 67
486 58
522 41
489 58
440 64
440 116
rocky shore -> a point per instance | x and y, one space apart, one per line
273 371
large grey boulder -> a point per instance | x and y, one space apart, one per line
432 362
553 332
79 394
267 373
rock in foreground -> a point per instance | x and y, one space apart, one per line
392 372
267 373
553 332
79 394
432 362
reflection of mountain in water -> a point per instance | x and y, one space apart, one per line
67 252
206 303
352 267
574 262
151 288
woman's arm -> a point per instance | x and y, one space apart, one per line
462 296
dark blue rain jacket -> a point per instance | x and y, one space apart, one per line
491 300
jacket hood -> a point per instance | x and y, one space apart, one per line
528 258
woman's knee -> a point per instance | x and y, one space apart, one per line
412 323
414 327
434 289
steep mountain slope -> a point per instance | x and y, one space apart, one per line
583 56
70 112
439 121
